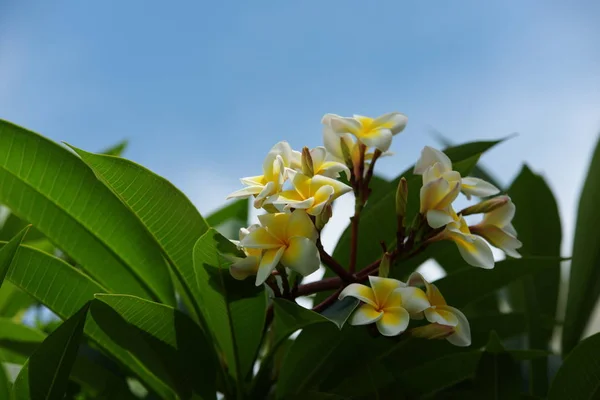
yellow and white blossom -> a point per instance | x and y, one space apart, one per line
247 266
309 193
289 239
496 228
271 181
388 303
323 163
440 188
473 249
372 132
470 186
333 145
441 313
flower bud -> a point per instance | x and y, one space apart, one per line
384 265
401 198
307 163
346 154
486 206
432 331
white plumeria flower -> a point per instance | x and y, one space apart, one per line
473 249
323 163
271 181
440 188
333 144
388 303
247 266
496 228
469 186
309 193
372 132
289 239
441 313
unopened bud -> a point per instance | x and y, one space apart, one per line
307 163
346 154
323 218
384 265
432 331
401 198
486 206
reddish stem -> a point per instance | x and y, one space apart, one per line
319 286
328 301
334 265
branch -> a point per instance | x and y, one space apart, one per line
328 301
334 265
319 286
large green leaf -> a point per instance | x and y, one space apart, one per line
64 290
117 149
50 187
166 213
8 251
538 223
173 338
5 385
19 339
99 382
46 373
579 376
290 317
498 373
13 300
13 225
230 218
584 281
235 311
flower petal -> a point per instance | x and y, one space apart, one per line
276 224
361 292
245 192
501 216
433 193
258 180
319 181
394 121
383 287
380 138
244 267
260 238
438 218
433 293
478 187
441 316
462 331
476 253
430 156
414 300
301 255
393 322
341 125
365 314
500 238
300 224
268 263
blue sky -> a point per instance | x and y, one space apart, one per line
203 89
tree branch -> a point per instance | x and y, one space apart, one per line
334 265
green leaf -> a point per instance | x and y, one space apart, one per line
340 311
19 339
8 251
471 284
99 382
584 287
46 373
176 341
116 150
579 376
230 218
538 223
376 223
50 187
234 311
13 225
13 300
5 384
498 373
290 317
64 290
166 213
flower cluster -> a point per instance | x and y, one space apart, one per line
441 186
391 304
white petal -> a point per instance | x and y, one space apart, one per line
394 121
268 263
462 331
383 287
365 314
379 138
265 193
501 239
393 322
245 192
358 291
318 155
478 187
441 316
476 253
296 162
430 156
341 125
414 300
302 256
501 216
244 267
438 218
300 224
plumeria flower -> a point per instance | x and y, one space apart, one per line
309 193
473 249
333 144
496 228
440 188
323 163
247 266
388 303
289 239
372 132
440 313
469 186
271 181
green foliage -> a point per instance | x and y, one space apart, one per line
141 280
